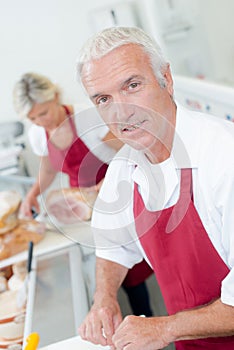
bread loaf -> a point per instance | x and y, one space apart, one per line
9 206
17 240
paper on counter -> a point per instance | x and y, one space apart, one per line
75 343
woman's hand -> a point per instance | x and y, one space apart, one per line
30 202
44 180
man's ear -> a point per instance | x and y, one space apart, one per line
168 80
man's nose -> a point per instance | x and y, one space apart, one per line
122 109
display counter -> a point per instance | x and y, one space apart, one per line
57 239
61 283
75 343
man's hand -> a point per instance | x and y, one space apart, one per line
211 320
137 333
101 322
105 315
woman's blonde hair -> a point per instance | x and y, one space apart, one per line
30 89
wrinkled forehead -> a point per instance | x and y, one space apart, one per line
118 53
116 65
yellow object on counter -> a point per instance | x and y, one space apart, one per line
32 341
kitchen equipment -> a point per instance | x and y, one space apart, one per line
11 148
23 291
32 341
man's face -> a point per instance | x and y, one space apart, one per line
123 87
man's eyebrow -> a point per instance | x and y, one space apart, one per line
127 81
131 78
94 96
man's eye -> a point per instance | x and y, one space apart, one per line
102 100
134 86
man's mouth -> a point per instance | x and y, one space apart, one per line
132 127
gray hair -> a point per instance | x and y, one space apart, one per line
30 89
111 38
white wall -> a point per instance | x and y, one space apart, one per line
43 36
206 47
217 18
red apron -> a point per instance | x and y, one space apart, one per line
77 161
137 274
187 266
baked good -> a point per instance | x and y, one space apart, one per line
17 240
11 317
3 283
9 206
16 281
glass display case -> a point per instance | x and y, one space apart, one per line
57 299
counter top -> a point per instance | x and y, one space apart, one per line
57 239
74 343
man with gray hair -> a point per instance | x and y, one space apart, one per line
167 197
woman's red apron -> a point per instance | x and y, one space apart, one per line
187 266
137 274
84 170
77 161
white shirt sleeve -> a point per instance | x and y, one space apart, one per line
226 208
37 140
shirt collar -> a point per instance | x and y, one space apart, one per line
158 183
186 143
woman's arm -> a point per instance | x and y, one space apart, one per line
45 178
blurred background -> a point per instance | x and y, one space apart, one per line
45 36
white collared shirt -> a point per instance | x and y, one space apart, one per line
203 143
